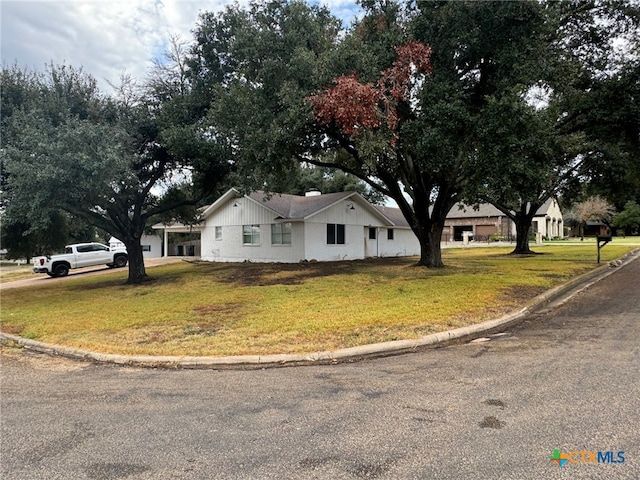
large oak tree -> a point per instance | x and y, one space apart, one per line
574 121
114 162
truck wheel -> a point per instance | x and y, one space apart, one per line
61 270
120 261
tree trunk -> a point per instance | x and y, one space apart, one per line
430 251
137 271
523 225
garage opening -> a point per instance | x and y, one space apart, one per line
458 230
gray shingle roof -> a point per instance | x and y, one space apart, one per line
471 211
295 206
292 207
393 214
486 210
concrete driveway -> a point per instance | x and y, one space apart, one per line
43 279
566 380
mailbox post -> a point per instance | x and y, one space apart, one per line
604 239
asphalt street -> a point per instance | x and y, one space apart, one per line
566 380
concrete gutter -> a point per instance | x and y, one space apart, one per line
545 302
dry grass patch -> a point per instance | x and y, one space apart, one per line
232 309
11 272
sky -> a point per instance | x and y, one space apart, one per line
107 38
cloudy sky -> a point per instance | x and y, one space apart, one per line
105 37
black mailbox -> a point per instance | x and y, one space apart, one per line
602 241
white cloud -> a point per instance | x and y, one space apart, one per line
105 38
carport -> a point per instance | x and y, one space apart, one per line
179 240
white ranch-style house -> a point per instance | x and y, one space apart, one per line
261 227
289 228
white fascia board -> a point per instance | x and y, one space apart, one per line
178 227
229 194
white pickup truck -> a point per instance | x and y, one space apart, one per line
80 255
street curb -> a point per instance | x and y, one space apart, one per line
547 301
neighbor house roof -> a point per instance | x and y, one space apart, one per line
487 210
474 211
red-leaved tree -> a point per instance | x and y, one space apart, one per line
366 120
355 107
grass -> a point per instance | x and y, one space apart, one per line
10 272
233 309
620 240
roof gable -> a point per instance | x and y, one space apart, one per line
226 196
296 206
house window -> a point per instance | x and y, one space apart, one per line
280 234
218 233
146 248
335 234
251 234
390 234
372 233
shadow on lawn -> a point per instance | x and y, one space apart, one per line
267 274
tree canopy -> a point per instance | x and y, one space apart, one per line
628 219
114 162
428 103
403 99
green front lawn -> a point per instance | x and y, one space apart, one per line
233 309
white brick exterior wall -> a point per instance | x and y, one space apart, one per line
404 243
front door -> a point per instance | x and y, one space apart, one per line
371 241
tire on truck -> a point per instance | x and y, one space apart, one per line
120 261
60 270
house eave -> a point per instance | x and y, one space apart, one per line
228 195
178 227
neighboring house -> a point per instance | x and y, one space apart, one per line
590 229
485 220
262 227
151 245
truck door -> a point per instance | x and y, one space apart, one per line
92 254
84 254
102 254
